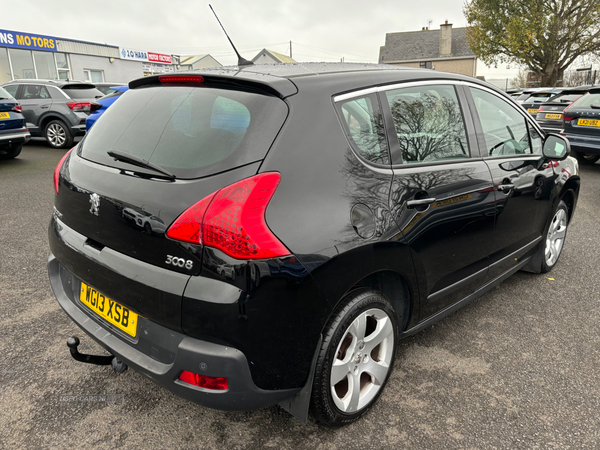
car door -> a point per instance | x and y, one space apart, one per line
441 195
35 100
523 179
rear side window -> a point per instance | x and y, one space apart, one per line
505 130
5 94
429 123
363 124
190 131
12 89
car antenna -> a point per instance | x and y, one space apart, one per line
241 61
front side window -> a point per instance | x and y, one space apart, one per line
363 124
429 123
34 91
505 130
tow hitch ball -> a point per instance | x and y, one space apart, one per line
117 365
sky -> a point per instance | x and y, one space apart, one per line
319 31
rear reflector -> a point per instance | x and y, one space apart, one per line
164 79
212 383
233 220
57 170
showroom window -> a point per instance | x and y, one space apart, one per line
94 76
62 64
4 67
45 65
22 64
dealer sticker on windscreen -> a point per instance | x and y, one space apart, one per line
111 311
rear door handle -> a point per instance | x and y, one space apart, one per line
420 202
506 187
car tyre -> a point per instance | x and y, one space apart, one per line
355 359
11 152
586 158
555 237
58 135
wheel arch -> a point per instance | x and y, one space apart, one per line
570 193
49 117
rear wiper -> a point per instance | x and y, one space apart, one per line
119 155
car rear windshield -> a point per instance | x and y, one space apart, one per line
190 131
587 101
79 92
565 98
540 97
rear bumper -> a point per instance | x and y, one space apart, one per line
161 354
584 143
14 139
78 130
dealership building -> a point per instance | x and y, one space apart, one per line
27 55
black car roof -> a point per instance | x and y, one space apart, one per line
284 79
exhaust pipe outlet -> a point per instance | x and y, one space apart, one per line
118 366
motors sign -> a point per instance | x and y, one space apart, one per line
159 58
16 39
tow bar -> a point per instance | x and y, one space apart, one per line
117 365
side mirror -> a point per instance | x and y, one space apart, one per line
556 147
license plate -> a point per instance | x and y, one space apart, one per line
4 115
553 116
111 311
589 122
532 110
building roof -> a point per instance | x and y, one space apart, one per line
422 45
189 60
276 56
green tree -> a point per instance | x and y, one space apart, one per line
546 36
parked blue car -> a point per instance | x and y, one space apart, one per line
13 132
102 104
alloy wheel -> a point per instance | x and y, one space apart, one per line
56 135
556 237
362 360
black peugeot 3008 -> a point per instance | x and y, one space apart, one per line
265 234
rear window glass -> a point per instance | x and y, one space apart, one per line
82 93
587 101
565 98
4 93
190 131
541 97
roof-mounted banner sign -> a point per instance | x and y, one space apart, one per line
159 58
29 41
136 55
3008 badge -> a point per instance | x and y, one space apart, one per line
179 262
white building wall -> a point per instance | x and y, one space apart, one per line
119 71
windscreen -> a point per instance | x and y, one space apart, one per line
190 131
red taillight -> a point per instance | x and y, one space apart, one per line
183 79
57 170
79 106
540 109
18 108
212 383
233 220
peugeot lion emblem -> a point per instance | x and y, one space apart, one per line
95 201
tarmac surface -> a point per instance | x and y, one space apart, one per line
516 369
